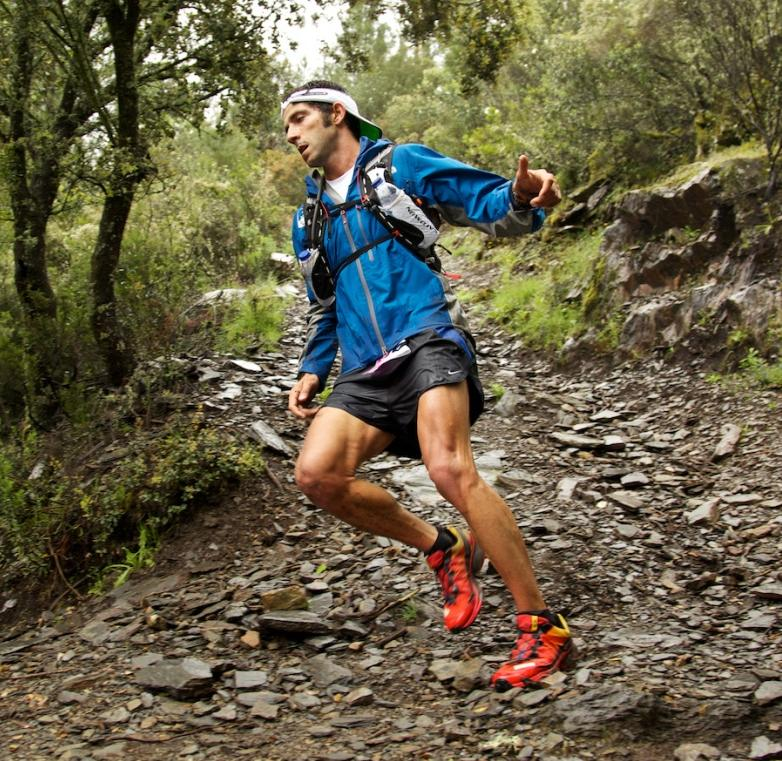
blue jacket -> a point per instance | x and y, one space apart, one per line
388 294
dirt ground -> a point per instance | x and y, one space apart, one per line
663 556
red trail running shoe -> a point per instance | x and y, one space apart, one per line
543 647
456 568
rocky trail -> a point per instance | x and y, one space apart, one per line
650 499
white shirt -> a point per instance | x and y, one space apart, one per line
338 188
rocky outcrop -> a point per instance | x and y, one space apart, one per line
693 262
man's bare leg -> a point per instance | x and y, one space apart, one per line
335 445
444 435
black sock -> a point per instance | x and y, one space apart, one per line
545 613
445 540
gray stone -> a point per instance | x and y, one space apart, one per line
696 752
591 711
114 750
634 480
361 696
707 512
763 748
264 710
185 678
444 669
294 621
245 680
614 443
768 692
305 700
627 500
116 715
727 445
324 671
575 441
249 699
266 435
466 674
96 632
770 591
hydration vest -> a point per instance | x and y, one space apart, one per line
317 216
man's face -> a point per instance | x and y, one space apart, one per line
310 131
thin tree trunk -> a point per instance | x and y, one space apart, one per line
113 339
113 342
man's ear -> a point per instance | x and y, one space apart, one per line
338 112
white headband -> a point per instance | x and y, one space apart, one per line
328 95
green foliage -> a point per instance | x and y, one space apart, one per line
497 390
760 371
81 523
255 319
12 363
134 560
548 307
410 612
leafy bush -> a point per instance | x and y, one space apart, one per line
80 523
255 319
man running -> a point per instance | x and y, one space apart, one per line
408 380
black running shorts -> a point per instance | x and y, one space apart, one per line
390 402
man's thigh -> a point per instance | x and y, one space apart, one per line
444 422
338 442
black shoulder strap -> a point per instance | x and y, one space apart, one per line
315 214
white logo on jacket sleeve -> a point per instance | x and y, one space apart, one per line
300 220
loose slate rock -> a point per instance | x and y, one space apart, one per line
696 752
287 598
770 591
183 679
325 671
708 512
763 748
768 692
267 436
245 680
576 441
294 622
361 696
627 499
592 711
730 438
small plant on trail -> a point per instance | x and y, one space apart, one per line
409 612
135 560
497 390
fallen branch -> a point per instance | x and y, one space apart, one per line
404 598
60 573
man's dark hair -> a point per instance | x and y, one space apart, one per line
325 108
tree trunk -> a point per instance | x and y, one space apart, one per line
130 166
113 343
30 217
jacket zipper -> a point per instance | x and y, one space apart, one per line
367 295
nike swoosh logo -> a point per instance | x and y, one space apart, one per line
453 372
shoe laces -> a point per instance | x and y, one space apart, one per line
445 576
527 646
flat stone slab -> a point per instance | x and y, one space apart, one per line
183 679
294 622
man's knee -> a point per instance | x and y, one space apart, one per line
453 476
321 485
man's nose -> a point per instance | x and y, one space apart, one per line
292 135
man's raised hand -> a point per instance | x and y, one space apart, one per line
535 187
